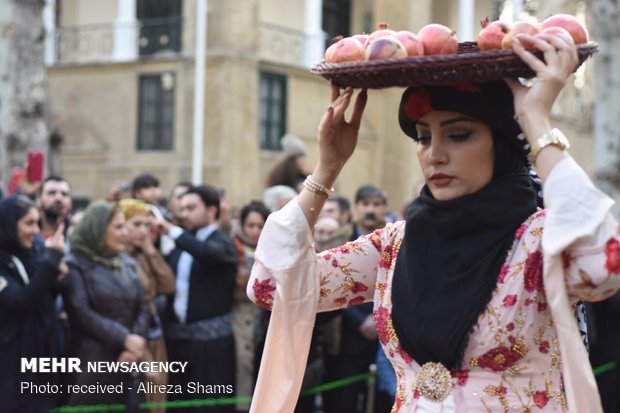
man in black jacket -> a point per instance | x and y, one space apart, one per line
197 322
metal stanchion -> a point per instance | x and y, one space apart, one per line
370 399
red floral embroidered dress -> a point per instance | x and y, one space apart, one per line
512 361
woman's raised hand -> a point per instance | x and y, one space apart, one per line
533 104
337 137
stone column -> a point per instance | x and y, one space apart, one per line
466 21
126 32
49 23
314 36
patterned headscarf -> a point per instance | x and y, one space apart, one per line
88 237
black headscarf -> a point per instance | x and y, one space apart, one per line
452 251
13 209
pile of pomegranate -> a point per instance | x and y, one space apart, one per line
437 39
499 34
384 43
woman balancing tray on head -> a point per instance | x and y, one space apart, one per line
473 291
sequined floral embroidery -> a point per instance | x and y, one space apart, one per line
510 300
263 293
540 399
461 376
387 255
384 330
533 272
612 251
499 358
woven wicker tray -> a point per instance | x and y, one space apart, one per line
468 64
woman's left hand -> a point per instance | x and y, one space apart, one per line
561 59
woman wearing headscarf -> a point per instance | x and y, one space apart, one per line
156 277
473 292
27 314
106 304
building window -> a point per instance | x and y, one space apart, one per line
272 110
336 19
160 26
156 111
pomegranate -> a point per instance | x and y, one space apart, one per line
570 23
329 53
362 38
385 47
558 31
438 39
518 28
413 45
382 30
492 34
345 50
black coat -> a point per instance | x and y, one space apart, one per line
213 272
103 310
27 321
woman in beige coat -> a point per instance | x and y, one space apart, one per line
156 277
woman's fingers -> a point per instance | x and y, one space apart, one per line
341 103
566 51
559 53
335 93
358 109
528 57
515 86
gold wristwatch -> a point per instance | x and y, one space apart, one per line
553 137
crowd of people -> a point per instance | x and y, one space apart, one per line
135 277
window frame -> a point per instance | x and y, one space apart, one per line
160 142
269 140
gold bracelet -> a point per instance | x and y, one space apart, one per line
317 188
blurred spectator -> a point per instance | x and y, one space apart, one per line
324 231
55 203
292 169
245 314
145 187
197 322
370 210
337 207
275 197
27 316
174 201
156 277
105 301
225 221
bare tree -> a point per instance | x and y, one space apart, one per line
24 103
606 31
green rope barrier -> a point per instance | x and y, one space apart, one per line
322 388
176 404
605 368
